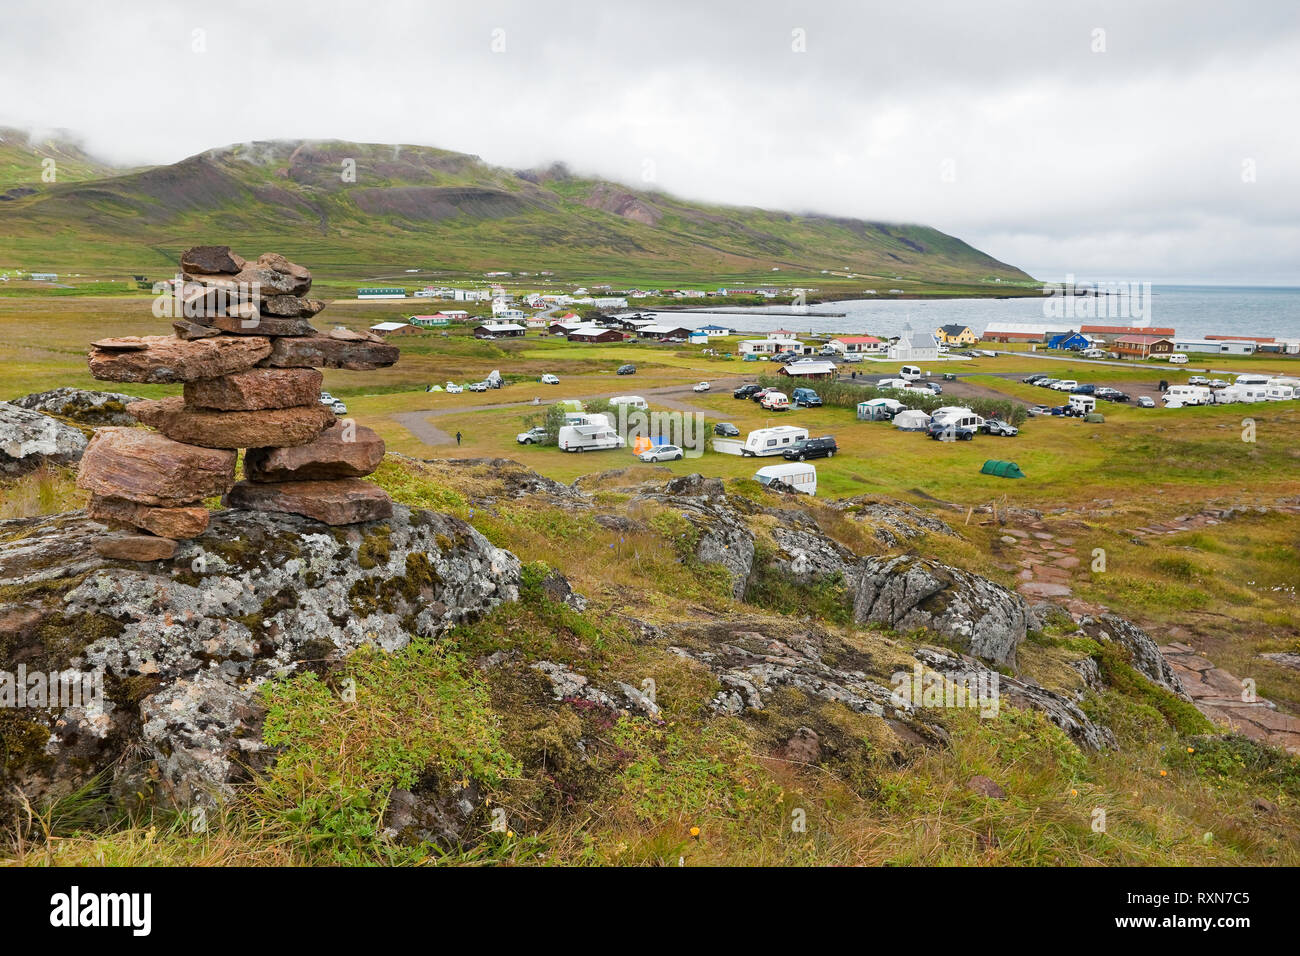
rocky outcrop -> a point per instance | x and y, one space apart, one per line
1144 651
81 405
985 619
185 643
30 439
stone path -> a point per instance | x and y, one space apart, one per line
1210 516
1046 561
1218 695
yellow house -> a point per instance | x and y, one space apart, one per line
955 335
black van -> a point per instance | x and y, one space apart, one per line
824 447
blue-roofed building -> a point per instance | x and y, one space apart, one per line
1074 341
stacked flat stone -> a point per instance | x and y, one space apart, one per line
250 371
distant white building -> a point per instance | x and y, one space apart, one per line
914 346
770 346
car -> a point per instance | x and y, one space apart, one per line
1034 379
626 370
1108 394
662 453
759 395
454 389
534 436
805 448
702 387
326 398
726 429
996 426
1037 410
477 386
1084 389
1198 380
1145 401
932 386
745 391
940 431
807 398
1218 383
1066 385
338 408
549 379
1046 382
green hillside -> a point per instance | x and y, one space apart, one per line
410 207
23 163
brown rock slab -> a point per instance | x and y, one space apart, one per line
151 469
256 388
327 351
344 450
122 343
134 547
262 325
343 501
233 429
175 522
290 306
211 260
188 330
166 358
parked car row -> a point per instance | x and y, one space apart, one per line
335 405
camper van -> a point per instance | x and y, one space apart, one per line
798 475
772 441
588 418
1177 358
1177 396
775 401
910 372
957 417
1082 404
634 401
592 437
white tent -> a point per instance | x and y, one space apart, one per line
912 420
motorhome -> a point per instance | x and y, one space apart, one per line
1083 404
635 401
1177 396
772 441
592 437
798 475
589 418
957 417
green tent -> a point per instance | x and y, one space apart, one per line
1003 469
1094 417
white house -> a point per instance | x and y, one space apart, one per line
769 346
914 346
856 343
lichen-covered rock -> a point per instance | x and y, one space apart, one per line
986 619
1146 655
185 643
29 439
806 555
81 405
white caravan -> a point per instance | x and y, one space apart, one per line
1177 396
1280 393
798 475
594 437
957 417
635 401
772 441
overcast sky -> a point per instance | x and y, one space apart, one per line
1166 148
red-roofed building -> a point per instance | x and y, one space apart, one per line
856 343
1143 346
1123 330
1241 338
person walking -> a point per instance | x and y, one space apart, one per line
457 439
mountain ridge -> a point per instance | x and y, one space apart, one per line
353 206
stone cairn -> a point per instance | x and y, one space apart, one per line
249 360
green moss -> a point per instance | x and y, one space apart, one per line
380 594
375 548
